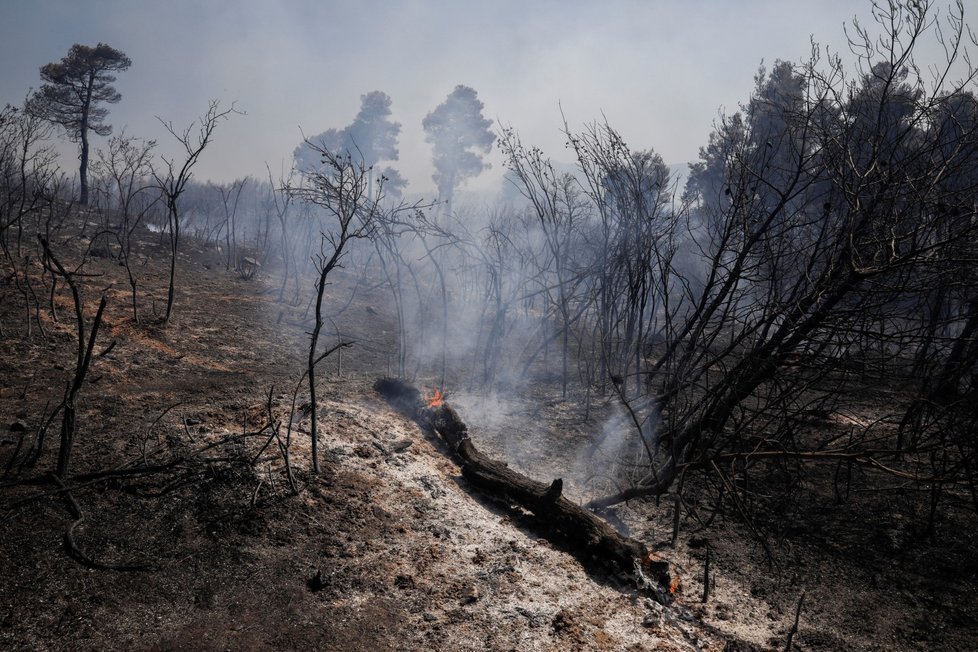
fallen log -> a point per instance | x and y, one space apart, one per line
562 520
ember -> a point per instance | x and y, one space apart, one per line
674 584
437 400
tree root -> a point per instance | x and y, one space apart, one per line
71 546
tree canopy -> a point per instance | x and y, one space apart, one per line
72 93
370 138
454 128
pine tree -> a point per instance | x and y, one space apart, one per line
73 90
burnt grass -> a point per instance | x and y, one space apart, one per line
235 561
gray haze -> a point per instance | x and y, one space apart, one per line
659 71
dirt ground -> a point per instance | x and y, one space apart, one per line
388 548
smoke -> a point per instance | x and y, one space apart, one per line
498 305
620 450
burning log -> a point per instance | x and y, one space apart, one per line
562 519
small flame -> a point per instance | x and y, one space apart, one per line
674 585
437 400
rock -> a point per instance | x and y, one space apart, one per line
429 617
470 594
654 616
363 451
400 446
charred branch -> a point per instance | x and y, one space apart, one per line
562 519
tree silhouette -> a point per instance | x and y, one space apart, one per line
74 88
455 127
372 132
372 137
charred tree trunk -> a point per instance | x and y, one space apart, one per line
562 519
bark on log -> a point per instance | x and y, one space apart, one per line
562 519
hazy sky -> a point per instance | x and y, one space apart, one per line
659 70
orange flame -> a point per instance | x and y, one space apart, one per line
674 585
437 400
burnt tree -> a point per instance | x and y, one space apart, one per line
564 520
173 182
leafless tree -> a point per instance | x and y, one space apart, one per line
820 221
557 203
339 187
30 184
355 209
230 196
174 179
86 346
281 204
127 170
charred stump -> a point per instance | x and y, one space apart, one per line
561 519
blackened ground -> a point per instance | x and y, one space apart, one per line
388 548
